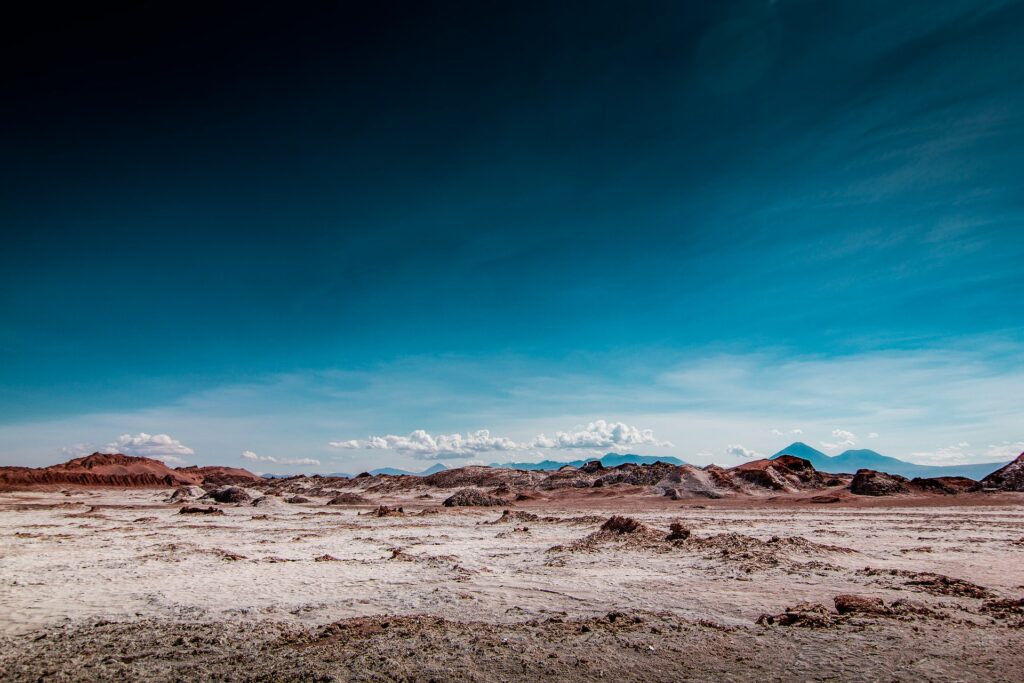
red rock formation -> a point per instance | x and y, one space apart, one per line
98 469
116 469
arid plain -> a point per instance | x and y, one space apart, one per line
375 579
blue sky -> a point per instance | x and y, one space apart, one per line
719 226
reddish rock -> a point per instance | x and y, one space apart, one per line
98 469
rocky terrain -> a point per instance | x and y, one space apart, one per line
635 572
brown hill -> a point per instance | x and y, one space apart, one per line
1007 478
215 476
98 469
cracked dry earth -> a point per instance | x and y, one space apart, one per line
117 585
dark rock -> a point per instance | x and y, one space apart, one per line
1008 478
859 604
872 483
189 510
472 497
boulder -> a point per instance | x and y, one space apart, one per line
872 483
230 494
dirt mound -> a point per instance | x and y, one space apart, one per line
1008 478
296 500
472 497
623 532
928 582
824 499
98 469
511 516
751 554
873 483
347 499
386 511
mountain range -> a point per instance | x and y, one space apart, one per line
853 460
394 471
608 460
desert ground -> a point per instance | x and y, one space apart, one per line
112 583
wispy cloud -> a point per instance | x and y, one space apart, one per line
253 457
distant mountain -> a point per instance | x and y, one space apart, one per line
853 460
393 471
439 467
609 460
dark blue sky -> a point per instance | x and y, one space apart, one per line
267 229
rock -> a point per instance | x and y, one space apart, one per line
385 511
326 558
872 483
472 497
230 494
591 467
806 614
1008 478
677 532
621 525
296 500
189 510
186 493
859 604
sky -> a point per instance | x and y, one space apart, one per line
362 234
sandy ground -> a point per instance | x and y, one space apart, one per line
117 584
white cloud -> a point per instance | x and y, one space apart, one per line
845 438
796 431
159 446
298 461
1006 450
742 452
777 432
872 435
253 457
599 434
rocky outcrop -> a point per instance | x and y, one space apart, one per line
872 483
785 473
1008 478
471 497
